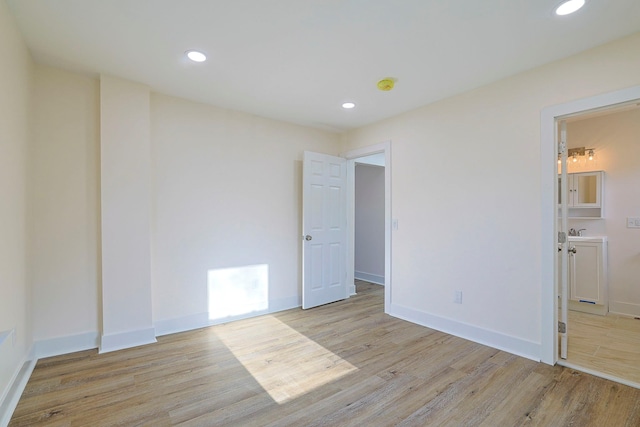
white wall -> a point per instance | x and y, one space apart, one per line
64 160
125 189
227 194
616 138
369 223
15 323
466 189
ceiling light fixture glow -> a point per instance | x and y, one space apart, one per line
569 7
348 105
196 56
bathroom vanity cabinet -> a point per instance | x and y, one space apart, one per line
585 194
588 275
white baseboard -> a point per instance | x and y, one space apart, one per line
181 324
17 385
114 342
368 277
64 345
510 344
624 308
282 304
202 320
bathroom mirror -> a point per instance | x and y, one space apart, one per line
585 193
587 189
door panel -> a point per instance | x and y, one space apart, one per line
324 218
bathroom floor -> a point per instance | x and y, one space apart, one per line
609 344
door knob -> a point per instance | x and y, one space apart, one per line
307 237
572 249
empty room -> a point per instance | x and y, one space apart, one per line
185 239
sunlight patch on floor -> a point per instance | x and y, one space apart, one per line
305 365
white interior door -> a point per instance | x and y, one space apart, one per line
324 229
563 243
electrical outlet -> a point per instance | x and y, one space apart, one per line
633 222
457 298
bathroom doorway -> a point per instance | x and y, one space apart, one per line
607 341
606 344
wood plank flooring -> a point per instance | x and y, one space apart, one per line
342 364
608 344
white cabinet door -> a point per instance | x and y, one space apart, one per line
587 277
585 272
324 221
586 188
584 194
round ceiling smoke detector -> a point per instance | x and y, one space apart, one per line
386 84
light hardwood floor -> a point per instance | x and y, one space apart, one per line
345 363
608 344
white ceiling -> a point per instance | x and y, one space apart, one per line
298 60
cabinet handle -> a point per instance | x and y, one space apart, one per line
572 249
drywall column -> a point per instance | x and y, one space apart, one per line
125 162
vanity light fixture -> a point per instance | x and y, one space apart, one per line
196 56
581 151
573 153
568 7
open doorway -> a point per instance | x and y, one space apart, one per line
369 219
604 300
375 163
582 341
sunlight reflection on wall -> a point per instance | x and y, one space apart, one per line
237 291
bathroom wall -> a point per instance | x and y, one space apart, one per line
616 140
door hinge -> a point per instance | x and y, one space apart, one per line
562 147
562 237
562 327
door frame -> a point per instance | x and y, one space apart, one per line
351 156
549 198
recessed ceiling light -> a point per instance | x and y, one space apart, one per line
196 56
569 6
348 105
